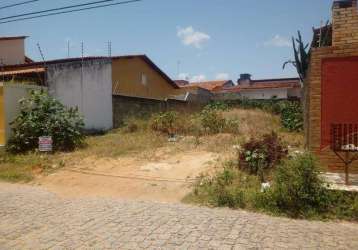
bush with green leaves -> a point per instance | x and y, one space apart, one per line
42 115
230 187
292 116
165 122
298 189
212 121
217 105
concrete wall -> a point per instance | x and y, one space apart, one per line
13 93
12 51
135 77
264 94
88 87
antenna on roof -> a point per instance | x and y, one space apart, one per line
43 59
178 67
42 55
68 48
109 49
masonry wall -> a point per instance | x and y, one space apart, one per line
87 86
345 25
125 107
345 45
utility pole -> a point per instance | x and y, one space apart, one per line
68 48
109 49
178 68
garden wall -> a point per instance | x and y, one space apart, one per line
86 85
126 106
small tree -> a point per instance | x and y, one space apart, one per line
42 115
301 63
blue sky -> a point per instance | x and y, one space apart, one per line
211 38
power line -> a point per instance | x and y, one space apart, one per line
56 9
17 4
70 11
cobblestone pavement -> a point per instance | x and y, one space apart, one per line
31 218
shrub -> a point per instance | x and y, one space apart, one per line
212 121
42 115
292 116
217 105
298 188
165 122
230 187
131 127
260 155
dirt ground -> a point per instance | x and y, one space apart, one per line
165 179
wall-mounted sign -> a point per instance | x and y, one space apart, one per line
45 143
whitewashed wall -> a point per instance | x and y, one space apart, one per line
88 87
264 94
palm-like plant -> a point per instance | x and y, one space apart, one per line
302 57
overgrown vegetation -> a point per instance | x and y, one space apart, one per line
297 191
292 116
290 112
260 156
42 115
207 122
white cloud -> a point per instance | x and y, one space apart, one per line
278 41
198 78
191 37
222 76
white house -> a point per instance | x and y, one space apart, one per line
265 89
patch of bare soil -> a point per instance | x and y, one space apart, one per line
167 178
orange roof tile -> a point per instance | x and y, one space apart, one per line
209 85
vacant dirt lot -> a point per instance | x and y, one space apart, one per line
167 179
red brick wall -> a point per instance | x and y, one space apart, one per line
339 94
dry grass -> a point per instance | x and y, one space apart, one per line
146 144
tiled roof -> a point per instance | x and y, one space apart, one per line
12 37
23 71
209 85
181 83
283 83
77 59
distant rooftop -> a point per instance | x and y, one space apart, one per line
12 37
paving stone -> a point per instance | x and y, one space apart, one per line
32 218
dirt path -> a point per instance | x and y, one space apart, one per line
167 179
